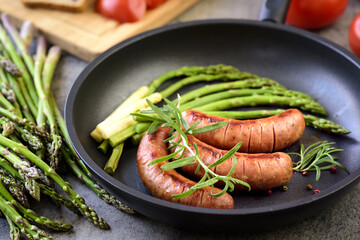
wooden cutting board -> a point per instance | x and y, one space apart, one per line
88 34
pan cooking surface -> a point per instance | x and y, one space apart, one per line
293 57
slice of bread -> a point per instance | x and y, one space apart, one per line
67 5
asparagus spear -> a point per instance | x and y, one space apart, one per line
190 71
59 199
9 47
104 146
101 192
135 139
21 46
122 136
304 104
29 125
18 94
15 187
28 173
9 66
32 140
14 230
112 164
77 199
325 125
54 148
247 83
204 78
244 92
27 32
30 231
31 215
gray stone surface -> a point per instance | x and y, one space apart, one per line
341 221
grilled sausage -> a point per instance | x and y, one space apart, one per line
262 171
260 135
163 184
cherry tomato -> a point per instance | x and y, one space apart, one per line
354 35
315 14
122 10
154 3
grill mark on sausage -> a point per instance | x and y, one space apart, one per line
250 133
274 135
226 129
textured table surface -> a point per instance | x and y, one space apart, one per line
342 221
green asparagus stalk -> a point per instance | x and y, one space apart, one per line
59 199
9 47
77 199
62 126
122 136
33 141
29 125
56 139
304 104
190 71
14 230
135 139
325 125
21 46
28 104
104 146
49 67
9 66
8 127
112 164
8 105
15 187
18 94
27 32
102 193
28 174
213 88
204 78
30 231
32 216
244 92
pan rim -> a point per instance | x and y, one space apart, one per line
150 200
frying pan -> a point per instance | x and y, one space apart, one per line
298 59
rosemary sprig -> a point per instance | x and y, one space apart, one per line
317 157
170 116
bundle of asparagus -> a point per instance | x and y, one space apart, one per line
34 143
241 89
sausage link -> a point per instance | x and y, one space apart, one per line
259 135
262 171
163 184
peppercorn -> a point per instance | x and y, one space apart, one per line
316 191
269 191
305 173
309 187
333 169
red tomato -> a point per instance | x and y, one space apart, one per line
154 3
122 10
354 35
315 14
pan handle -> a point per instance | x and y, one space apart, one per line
274 10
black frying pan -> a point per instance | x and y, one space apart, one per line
298 59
